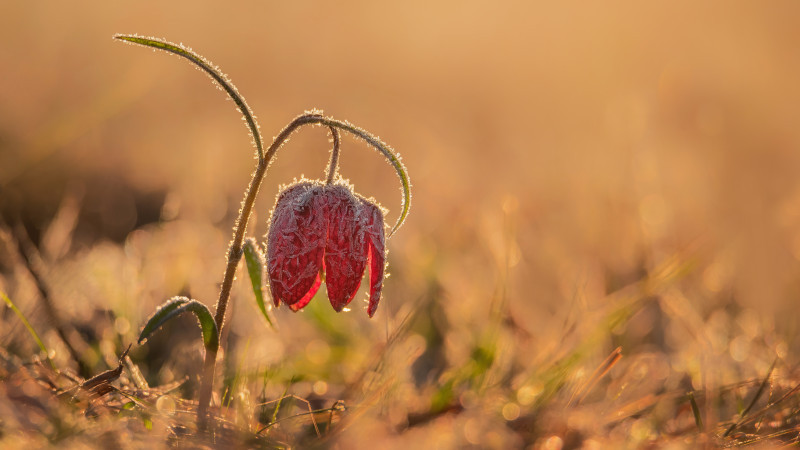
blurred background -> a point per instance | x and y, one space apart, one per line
558 152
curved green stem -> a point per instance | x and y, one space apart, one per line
315 117
387 151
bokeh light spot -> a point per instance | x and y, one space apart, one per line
511 411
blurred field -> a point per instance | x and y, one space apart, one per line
586 177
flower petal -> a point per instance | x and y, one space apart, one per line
345 253
295 244
376 252
309 295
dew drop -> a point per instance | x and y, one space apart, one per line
166 405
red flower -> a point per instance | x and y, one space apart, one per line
324 232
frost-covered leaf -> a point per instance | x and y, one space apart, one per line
254 259
177 306
211 70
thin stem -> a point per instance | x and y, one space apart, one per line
334 164
379 145
206 386
315 117
235 254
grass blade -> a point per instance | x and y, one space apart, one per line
177 306
254 259
698 419
30 328
760 391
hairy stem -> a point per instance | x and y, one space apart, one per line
374 141
234 256
334 164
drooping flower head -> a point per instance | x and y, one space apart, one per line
324 232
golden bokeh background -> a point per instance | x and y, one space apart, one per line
559 151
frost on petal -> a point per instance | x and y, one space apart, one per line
295 245
345 255
372 217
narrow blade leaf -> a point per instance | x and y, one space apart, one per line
210 69
30 328
254 259
177 306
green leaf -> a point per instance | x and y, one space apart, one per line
30 328
148 422
254 259
177 306
210 69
